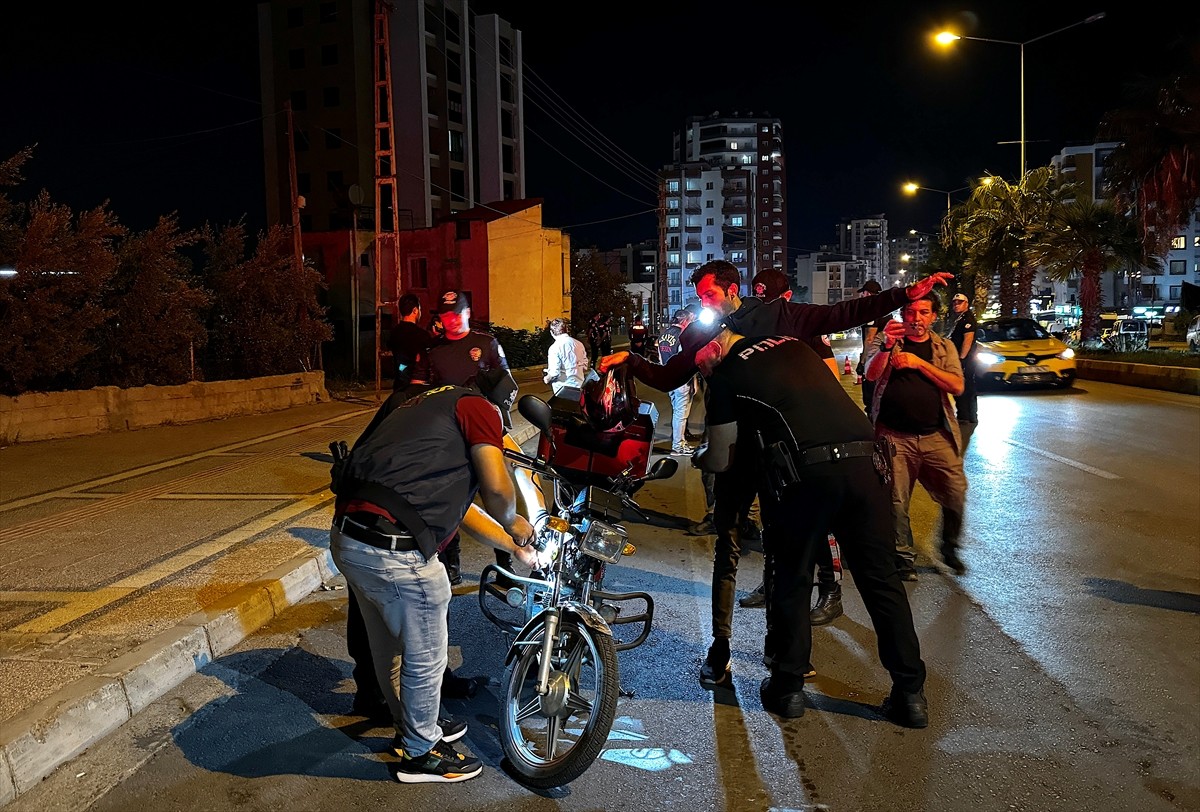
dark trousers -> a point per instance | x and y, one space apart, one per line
868 393
359 647
966 405
848 498
734 491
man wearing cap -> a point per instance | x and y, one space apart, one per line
869 332
961 331
405 488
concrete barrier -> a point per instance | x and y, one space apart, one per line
1185 380
50 415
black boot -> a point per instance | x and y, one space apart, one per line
717 671
829 605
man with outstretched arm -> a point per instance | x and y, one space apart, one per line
718 283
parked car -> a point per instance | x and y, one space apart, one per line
1020 352
1193 335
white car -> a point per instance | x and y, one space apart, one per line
1193 335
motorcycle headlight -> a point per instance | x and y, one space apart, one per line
605 542
1067 354
987 359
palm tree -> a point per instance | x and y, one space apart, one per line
1083 239
996 229
1155 171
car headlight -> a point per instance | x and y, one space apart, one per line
1067 354
988 359
604 541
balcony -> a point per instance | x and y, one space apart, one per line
693 192
693 229
691 209
734 207
692 245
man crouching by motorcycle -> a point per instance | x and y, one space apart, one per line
823 472
403 492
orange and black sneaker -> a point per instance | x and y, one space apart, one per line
441 765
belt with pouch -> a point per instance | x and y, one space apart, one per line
403 542
835 451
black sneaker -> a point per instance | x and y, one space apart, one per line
717 671
441 765
452 731
756 599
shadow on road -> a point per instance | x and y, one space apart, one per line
1122 592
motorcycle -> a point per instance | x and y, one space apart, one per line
561 682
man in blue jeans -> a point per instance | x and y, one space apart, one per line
681 396
403 493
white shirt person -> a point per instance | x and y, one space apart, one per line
566 361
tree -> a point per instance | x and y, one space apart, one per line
52 308
996 228
596 289
1155 170
1083 239
265 319
157 312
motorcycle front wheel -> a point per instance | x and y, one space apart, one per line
551 740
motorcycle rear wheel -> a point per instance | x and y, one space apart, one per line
552 740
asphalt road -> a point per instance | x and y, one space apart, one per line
1064 668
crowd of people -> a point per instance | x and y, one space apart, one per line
780 432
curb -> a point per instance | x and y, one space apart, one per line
60 727
38 740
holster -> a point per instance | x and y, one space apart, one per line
779 466
882 456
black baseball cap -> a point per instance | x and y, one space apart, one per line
770 284
498 386
453 301
871 287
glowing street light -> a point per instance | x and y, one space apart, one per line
946 38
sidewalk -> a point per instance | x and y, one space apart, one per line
134 559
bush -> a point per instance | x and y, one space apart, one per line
522 347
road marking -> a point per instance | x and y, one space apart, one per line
73 490
80 604
1064 460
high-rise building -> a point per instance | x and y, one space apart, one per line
456 109
724 197
905 254
867 239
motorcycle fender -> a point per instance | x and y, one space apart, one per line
568 611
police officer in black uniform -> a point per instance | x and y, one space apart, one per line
773 397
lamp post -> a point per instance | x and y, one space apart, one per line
911 188
945 38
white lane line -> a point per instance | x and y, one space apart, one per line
1064 460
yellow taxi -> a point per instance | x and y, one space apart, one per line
1020 352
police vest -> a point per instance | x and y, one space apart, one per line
420 453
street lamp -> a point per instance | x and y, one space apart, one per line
911 188
945 38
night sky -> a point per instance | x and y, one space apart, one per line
158 111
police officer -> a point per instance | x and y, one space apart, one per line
817 453
404 490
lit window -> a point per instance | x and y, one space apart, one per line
1178 242
733 145
672 222
737 220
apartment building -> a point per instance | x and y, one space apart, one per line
456 109
723 197
867 239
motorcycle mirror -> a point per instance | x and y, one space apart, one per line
665 468
536 411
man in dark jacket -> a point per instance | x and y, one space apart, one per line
820 471
404 490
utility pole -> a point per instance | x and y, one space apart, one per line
297 202
387 226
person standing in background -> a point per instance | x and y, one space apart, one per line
599 336
961 331
566 360
408 343
869 331
681 396
638 335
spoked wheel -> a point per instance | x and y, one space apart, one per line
551 740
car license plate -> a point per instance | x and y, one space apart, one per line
1032 370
